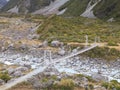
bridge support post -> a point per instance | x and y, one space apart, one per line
50 59
86 40
95 39
45 58
98 39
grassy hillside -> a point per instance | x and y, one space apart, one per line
74 29
103 53
75 7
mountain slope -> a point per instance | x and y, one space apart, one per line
107 9
2 3
26 6
104 9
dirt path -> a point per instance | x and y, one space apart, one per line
102 44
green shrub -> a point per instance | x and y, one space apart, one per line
4 76
112 84
91 86
111 43
103 53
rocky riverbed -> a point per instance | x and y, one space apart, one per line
89 66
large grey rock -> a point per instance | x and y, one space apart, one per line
34 36
85 80
99 88
61 52
75 50
99 77
55 43
45 43
111 20
10 71
22 69
2 82
23 47
28 66
77 81
51 70
37 85
17 74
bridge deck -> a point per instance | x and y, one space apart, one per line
41 69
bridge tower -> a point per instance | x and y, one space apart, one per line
86 41
50 56
45 57
49 59
96 39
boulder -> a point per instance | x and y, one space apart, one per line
61 52
23 47
11 46
11 71
77 82
28 66
85 80
22 69
51 70
45 43
37 85
17 74
75 50
99 88
2 82
99 77
55 43
111 20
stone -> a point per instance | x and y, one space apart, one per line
27 65
99 77
55 43
61 52
85 80
51 70
11 47
34 36
77 82
49 83
22 69
17 74
45 43
11 71
23 47
111 20
11 80
2 82
99 88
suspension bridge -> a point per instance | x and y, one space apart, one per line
52 62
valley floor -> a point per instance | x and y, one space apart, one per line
19 47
